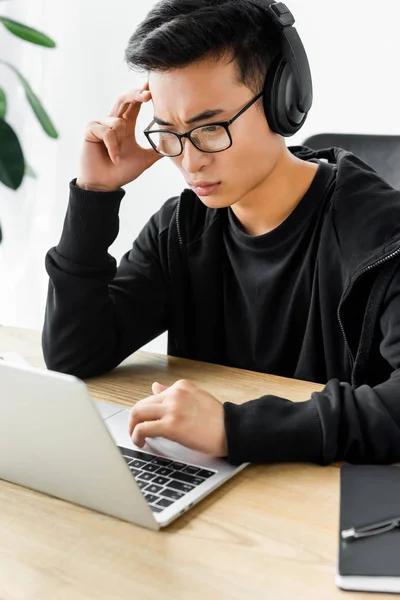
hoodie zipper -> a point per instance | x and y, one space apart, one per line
178 228
347 292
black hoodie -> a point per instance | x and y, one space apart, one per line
97 315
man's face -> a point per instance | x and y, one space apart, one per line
182 94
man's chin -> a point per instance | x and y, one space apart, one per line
215 201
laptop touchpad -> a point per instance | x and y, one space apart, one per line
107 409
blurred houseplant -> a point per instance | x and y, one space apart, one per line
13 165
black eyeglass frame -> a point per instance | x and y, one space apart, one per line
224 124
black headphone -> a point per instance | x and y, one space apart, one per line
288 93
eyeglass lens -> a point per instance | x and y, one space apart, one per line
210 138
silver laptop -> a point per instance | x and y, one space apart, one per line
56 439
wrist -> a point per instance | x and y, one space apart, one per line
221 441
94 187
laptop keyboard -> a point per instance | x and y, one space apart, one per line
163 481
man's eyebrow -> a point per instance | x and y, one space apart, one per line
207 114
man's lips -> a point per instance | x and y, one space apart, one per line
201 184
204 190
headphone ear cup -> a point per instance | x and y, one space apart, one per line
270 94
280 99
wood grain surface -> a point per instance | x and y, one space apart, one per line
269 533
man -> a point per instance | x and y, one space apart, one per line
275 260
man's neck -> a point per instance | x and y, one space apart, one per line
268 205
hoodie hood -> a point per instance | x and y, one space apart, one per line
365 209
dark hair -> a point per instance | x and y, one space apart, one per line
176 33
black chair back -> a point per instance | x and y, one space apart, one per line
381 152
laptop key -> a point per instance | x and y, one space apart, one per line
165 472
135 472
191 470
180 486
127 458
177 466
161 462
137 464
173 494
143 476
164 502
151 498
161 480
205 473
193 479
136 454
156 508
153 489
141 484
150 467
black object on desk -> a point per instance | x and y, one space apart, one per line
369 503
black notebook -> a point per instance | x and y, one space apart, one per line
369 494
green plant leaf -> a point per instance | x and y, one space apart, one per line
12 163
29 171
35 103
3 104
27 33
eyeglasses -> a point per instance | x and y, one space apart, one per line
214 137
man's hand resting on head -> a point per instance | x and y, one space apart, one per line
182 413
111 157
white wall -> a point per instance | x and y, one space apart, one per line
352 47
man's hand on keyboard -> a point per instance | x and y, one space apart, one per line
182 413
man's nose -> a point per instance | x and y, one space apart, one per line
193 158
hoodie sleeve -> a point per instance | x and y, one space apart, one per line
359 425
98 314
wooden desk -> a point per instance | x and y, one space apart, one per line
270 533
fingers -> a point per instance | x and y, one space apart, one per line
157 388
136 96
152 156
128 105
96 131
110 130
142 410
146 411
129 117
184 384
148 429
120 122
147 416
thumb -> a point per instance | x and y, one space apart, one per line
152 156
157 388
